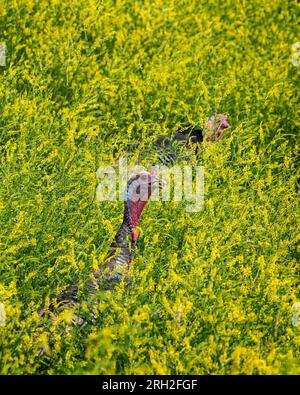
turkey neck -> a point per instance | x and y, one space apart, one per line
120 256
123 236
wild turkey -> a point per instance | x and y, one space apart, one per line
167 149
138 191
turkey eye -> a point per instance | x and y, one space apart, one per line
138 189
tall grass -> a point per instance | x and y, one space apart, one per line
212 292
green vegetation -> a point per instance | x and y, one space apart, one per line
212 292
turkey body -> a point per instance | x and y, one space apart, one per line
117 263
171 147
167 149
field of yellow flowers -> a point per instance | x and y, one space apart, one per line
213 291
